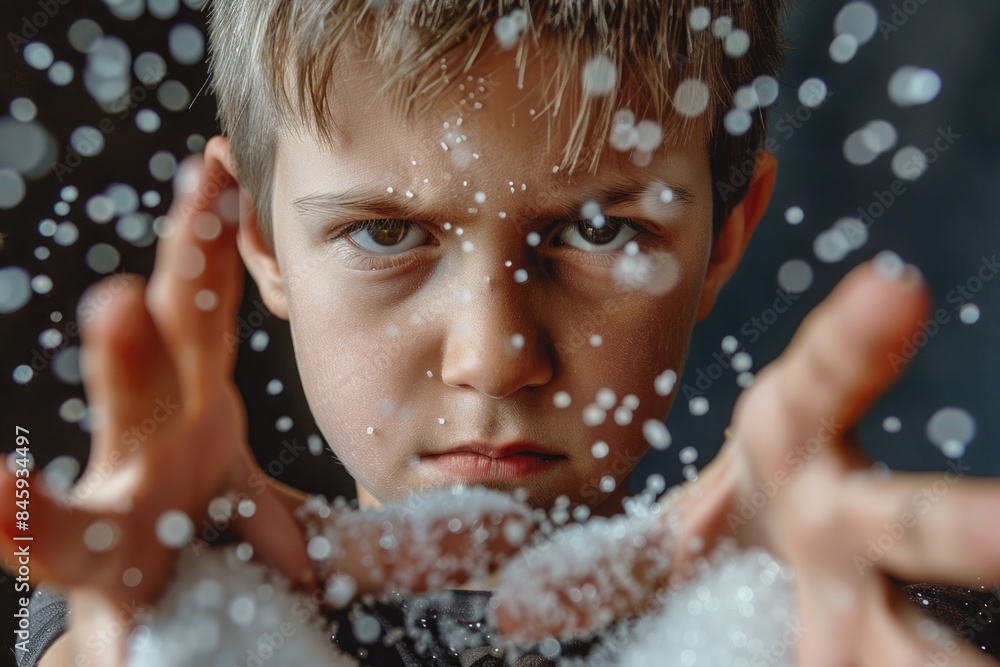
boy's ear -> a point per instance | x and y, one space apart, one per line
727 251
256 252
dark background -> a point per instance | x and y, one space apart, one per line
944 223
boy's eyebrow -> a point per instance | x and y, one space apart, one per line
361 200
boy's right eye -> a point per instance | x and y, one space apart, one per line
386 236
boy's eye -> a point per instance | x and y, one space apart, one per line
587 236
385 236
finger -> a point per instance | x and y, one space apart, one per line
923 527
830 614
127 372
82 546
897 633
101 627
196 286
430 541
277 537
838 363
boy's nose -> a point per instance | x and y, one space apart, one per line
495 343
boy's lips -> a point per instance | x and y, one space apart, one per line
482 462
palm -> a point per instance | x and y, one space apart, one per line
792 479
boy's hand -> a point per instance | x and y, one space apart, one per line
168 425
793 433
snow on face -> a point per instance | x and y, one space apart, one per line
468 306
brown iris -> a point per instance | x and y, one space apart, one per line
387 232
599 235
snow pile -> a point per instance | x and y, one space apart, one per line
221 611
739 611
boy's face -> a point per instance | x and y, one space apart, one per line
431 338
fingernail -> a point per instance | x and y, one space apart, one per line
889 266
912 275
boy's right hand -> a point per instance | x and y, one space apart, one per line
161 354
169 427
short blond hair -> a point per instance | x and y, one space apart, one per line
259 47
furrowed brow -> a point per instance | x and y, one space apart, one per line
360 201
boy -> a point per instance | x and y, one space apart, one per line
435 246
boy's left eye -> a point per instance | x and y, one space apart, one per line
387 237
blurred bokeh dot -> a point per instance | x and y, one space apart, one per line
69 193
150 68
66 365
103 258
123 197
259 340
283 424
150 198
50 338
83 33
858 19
186 43
163 165
969 313
831 246
72 410
61 73
47 227
41 252
737 121
173 95
147 120
15 288
23 374
951 425
274 387
127 10
132 227
795 276
26 147
196 143
38 55
61 208
909 163
163 9
23 109
100 208
41 284
794 215
12 188
109 58
87 141
66 234
843 48
892 424
812 92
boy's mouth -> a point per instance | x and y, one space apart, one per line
482 462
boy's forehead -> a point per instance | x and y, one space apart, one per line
488 133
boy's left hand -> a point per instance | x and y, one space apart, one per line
792 443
